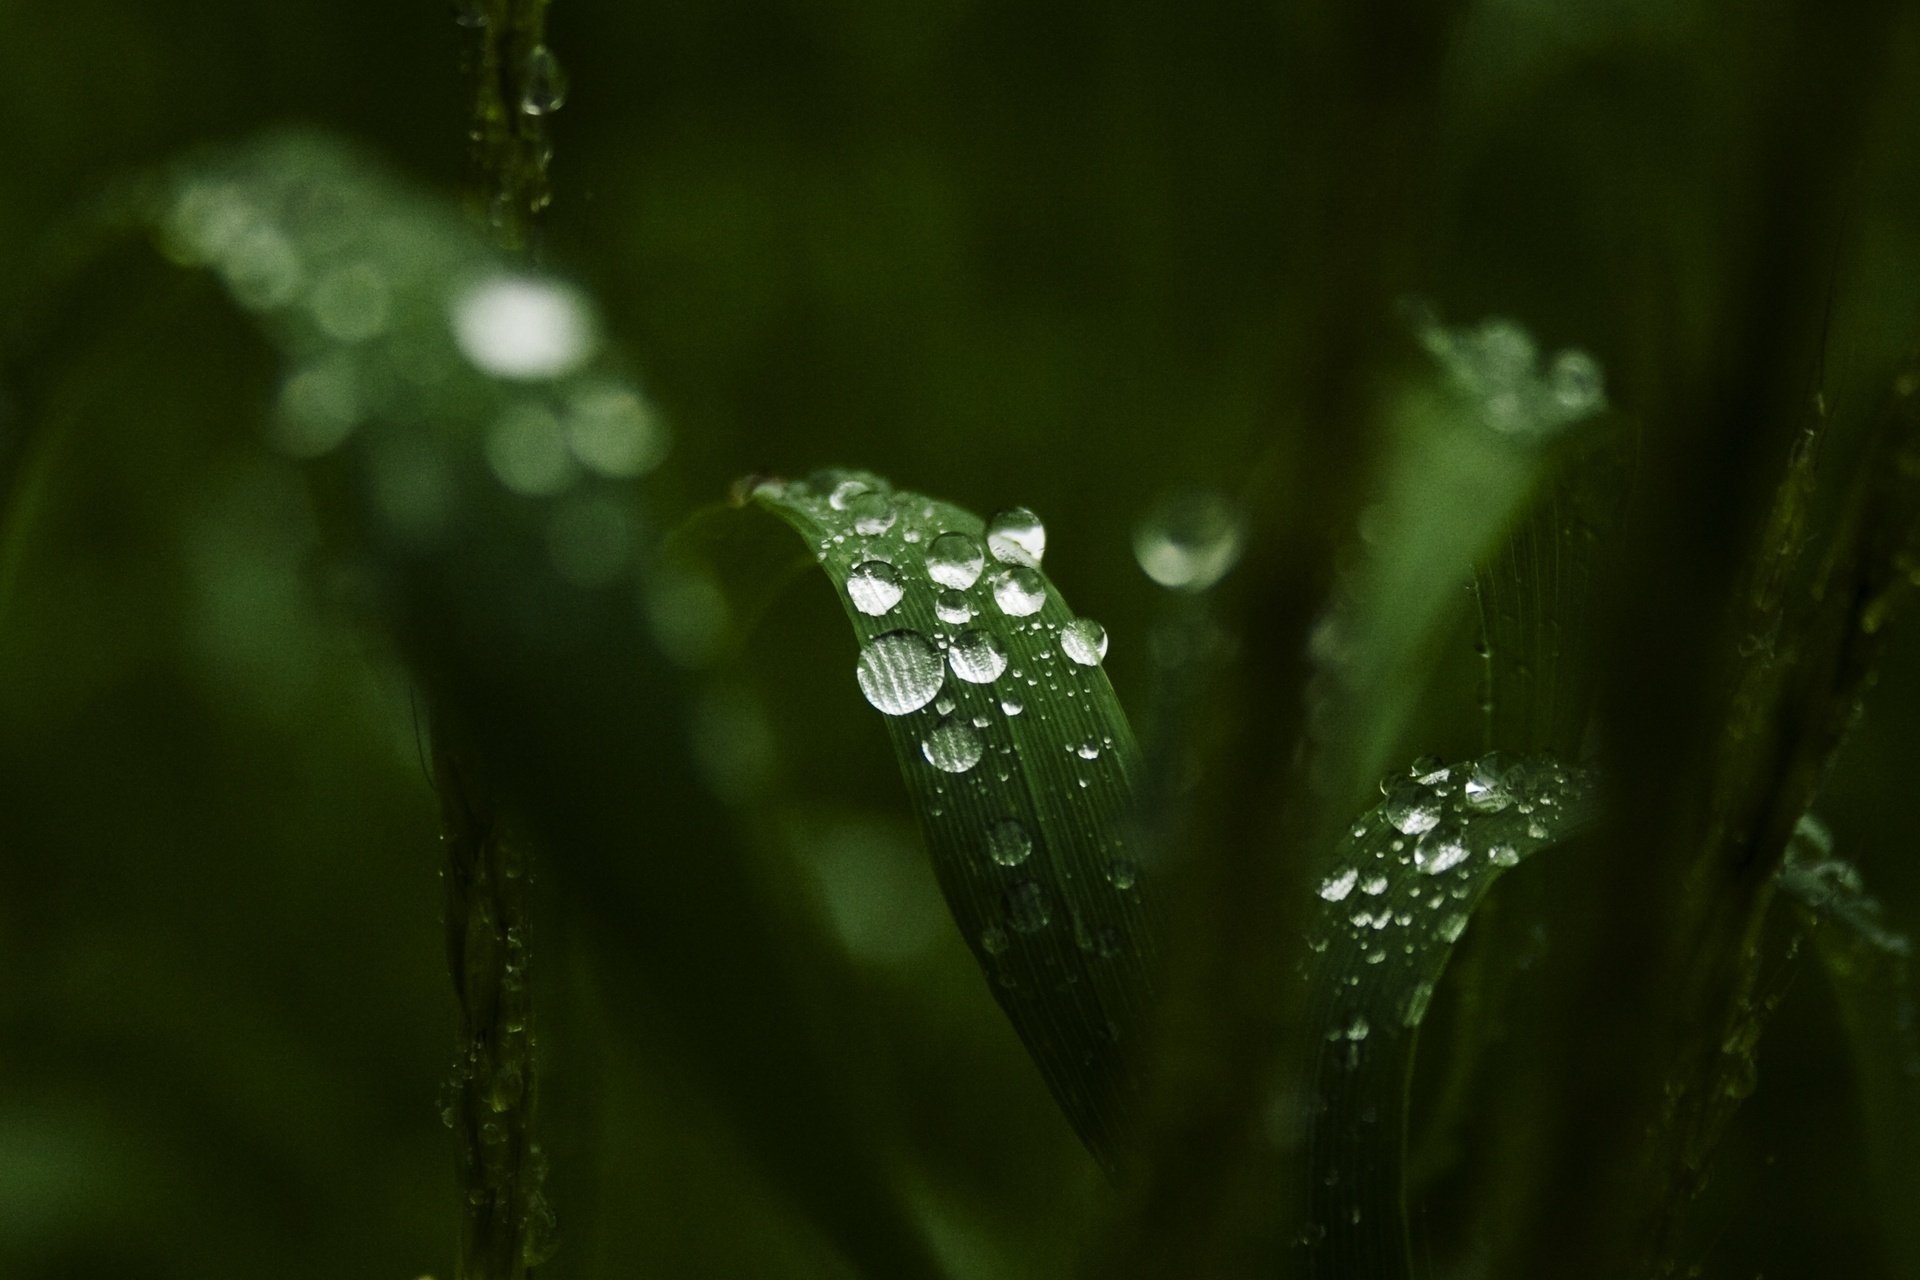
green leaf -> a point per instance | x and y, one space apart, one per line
1401 892
1019 763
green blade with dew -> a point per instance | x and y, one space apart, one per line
1403 886
1019 762
487 473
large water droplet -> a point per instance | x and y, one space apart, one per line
1338 886
874 587
952 607
1016 536
955 560
1085 641
872 513
952 746
1019 591
1008 842
544 88
1487 788
1188 542
900 671
977 657
1029 910
843 493
1411 808
1442 848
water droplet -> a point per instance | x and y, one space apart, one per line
1012 706
1417 1001
1338 886
845 492
1442 848
872 513
544 88
1188 542
1537 829
523 328
1431 770
977 657
1411 808
955 560
1375 886
1088 750
1452 927
1016 536
899 672
994 940
351 303
953 607
874 587
1085 641
1503 855
1577 383
1122 875
1486 789
1019 591
1028 908
1008 842
1357 1027
952 746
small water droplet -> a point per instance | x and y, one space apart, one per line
1088 750
1008 842
1029 910
1503 855
1577 382
872 513
1338 886
953 607
1452 927
1417 1001
845 492
1188 542
952 746
955 560
1374 886
1122 874
994 940
977 657
874 587
1016 536
1357 1027
1012 706
1085 641
544 89
1019 591
900 672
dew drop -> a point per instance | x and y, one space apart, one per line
900 672
1452 927
1188 542
1012 706
872 513
1374 886
994 940
544 90
874 587
1028 908
952 746
1122 875
977 657
1358 1028
1008 843
1019 591
952 607
1576 381
955 560
1336 887
1085 641
523 328
1503 855
1442 848
1411 808
1016 536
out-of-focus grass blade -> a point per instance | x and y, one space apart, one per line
1871 969
1401 891
487 472
1019 762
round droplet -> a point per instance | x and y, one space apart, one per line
900 671
1487 786
874 587
1411 809
1029 910
1016 536
1338 886
544 89
994 940
1088 750
1442 848
1577 383
1019 591
1374 886
872 513
1085 641
1008 843
523 328
845 492
1012 706
1188 541
1122 875
955 560
1357 1027
952 607
1450 929
977 657
1503 855
952 746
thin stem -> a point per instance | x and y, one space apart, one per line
517 85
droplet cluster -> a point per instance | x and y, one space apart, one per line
1496 366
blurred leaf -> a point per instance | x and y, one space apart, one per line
1019 762
1404 885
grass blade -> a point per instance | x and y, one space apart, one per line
1019 762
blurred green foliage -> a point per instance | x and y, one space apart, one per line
1077 257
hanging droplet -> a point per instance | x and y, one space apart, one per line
544 88
900 672
952 746
994 940
1188 542
1019 591
955 560
1085 641
977 657
1016 536
1008 843
874 587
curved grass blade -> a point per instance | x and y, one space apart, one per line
1019 762
1403 887
486 473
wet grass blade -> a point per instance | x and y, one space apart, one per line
1019 763
1402 890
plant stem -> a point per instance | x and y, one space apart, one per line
517 85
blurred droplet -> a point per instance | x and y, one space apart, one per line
523 328
544 83
1008 843
1188 542
612 431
